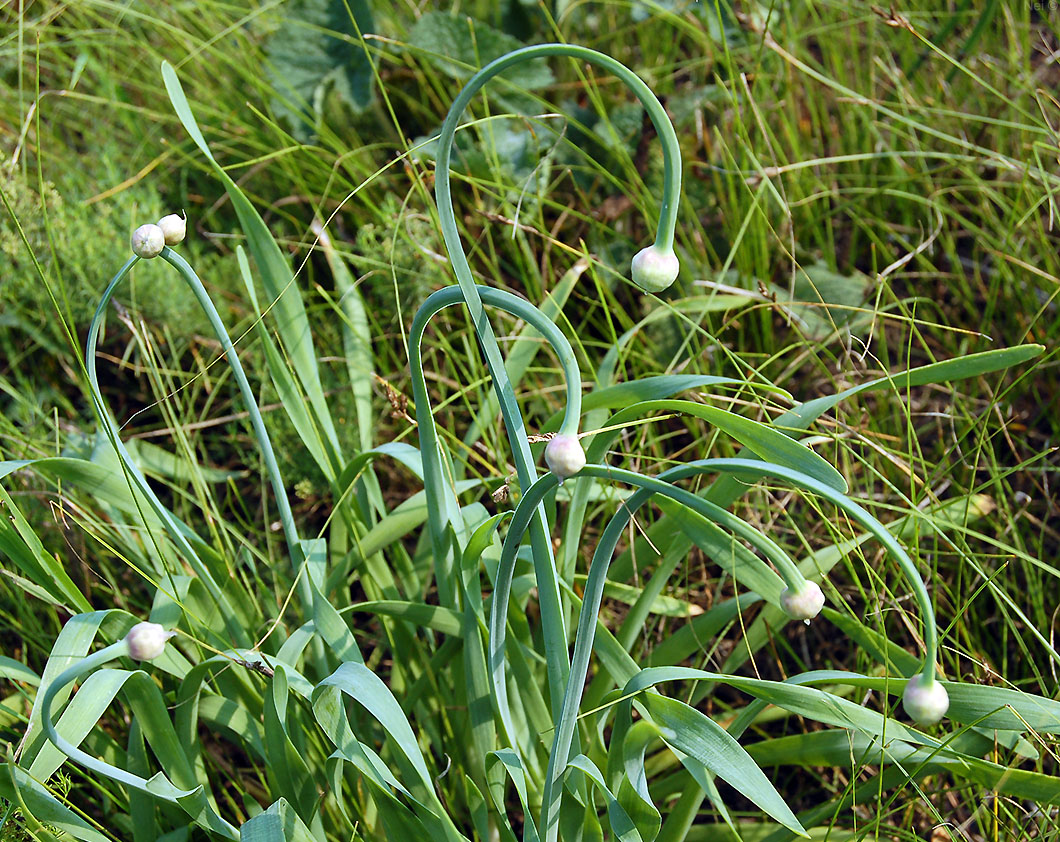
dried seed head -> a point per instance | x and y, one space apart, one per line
174 228
803 604
653 269
147 641
926 702
564 456
148 241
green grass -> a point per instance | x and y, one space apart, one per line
897 175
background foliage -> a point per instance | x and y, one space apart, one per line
867 190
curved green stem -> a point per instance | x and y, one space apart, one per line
169 523
552 610
597 578
593 597
438 515
664 237
754 470
159 786
283 505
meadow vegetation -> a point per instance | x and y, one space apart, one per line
869 200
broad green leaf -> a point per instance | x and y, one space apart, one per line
627 757
153 459
287 389
365 687
478 807
227 715
318 51
71 645
356 340
501 765
18 787
13 670
690 731
142 813
285 752
332 628
280 823
661 386
458 45
622 825
91 701
764 441
102 481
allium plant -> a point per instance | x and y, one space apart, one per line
540 750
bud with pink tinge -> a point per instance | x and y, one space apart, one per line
148 241
147 641
564 456
174 228
925 700
804 603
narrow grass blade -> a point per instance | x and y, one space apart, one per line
20 544
276 275
39 805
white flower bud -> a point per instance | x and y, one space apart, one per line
148 241
564 456
147 641
926 702
803 604
174 228
653 269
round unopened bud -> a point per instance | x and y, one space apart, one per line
803 604
564 456
148 241
174 228
925 700
654 269
147 641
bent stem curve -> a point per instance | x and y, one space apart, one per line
268 455
157 787
592 599
552 615
290 528
596 580
136 477
429 447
